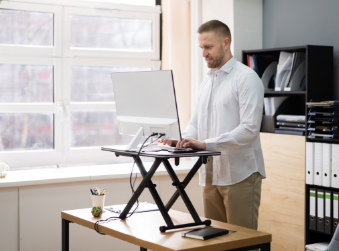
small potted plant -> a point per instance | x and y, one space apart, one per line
4 168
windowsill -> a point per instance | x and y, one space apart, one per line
85 173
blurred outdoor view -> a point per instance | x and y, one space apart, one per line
94 83
26 28
26 131
111 33
24 84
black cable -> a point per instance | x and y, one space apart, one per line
136 174
96 224
160 135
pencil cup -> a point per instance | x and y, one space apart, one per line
98 201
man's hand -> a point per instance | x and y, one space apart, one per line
192 143
168 142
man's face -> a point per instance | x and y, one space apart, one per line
212 49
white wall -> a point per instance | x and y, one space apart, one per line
221 10
307 22
244 18
9 219
31 219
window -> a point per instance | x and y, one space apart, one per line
56 97
111 33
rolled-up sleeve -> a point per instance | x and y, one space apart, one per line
251 100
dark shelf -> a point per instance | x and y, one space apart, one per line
320 140
318 232
322 187
285 92
290 49
275 50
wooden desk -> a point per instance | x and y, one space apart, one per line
142 229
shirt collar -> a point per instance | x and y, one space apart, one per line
226 67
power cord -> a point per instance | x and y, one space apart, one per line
96 224
160 135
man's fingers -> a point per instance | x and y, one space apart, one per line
183 143
180 144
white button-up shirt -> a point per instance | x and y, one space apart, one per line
228 117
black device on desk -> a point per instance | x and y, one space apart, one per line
186 150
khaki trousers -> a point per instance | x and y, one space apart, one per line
236 204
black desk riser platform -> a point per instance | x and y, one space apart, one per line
162 157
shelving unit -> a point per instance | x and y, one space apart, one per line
319 85
313 236
319 75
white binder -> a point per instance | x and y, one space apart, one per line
327 162
309 163
318 163
335 166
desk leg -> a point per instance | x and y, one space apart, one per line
263 247
143 249
65 235
266 247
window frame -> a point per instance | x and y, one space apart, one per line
37 157
34 50
115 13
95 4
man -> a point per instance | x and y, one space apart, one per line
227 118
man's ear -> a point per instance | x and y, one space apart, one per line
226 42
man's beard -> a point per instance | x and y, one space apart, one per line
216 62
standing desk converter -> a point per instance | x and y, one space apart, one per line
162 157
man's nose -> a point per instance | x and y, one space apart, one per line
204 53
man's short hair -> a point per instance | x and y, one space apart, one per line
218 27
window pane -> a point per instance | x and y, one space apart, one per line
26 83
26 131
26 28
90 83
111 33
131 2
96 129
